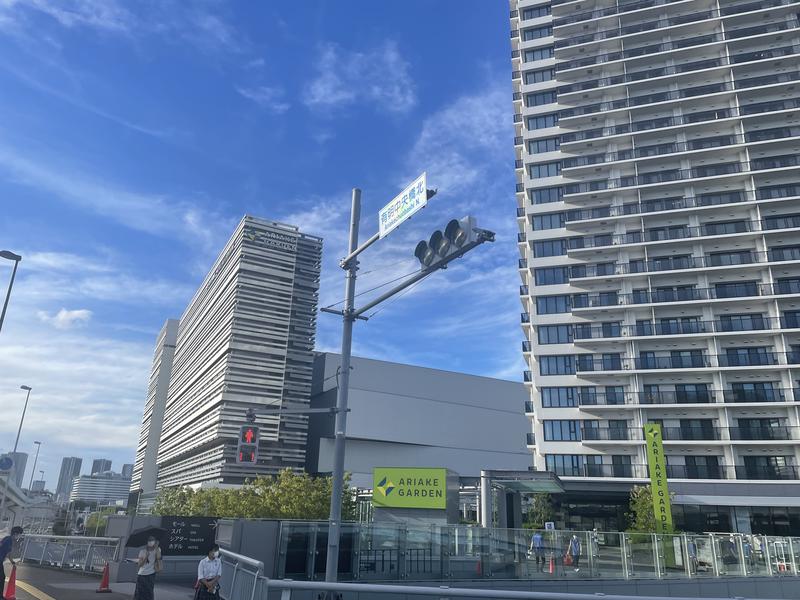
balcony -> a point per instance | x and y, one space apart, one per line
697 472
770 472
523 263
710 142
530 439
749 359
600 399
665 234
676 397
525 317
526 346
523 290
691 434
716 88
672 175
610 434
529 408
771 433
638 471
671 362
755 395
527 376
680 202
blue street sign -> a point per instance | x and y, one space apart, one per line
6 462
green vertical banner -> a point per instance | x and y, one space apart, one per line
658 477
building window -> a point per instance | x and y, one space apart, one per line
548 221
536 33
550 305
538 54
539 76
570 465
545 170
563 397
535 12
547 195
559 364
540 99
562 431
543 145
550 248
542 121
555 334
551 275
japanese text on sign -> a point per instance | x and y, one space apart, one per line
405 204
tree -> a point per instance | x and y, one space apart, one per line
641 516
540 511
288 495
96 522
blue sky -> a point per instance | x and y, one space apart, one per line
134 136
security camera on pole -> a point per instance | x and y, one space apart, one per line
457 238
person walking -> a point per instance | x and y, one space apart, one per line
574 551
149 564
537 549
6 546
209 572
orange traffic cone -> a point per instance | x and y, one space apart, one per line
11 586
552 565
104 588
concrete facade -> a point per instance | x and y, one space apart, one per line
402 415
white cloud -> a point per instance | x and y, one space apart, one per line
66 319
154 213
268 98
379 76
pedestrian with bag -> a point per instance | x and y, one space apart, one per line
209 572
537 549
573 553
149 561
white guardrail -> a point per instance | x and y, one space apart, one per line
77 553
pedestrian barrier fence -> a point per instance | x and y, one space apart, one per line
77 553
394 552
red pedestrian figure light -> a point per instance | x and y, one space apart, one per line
247 449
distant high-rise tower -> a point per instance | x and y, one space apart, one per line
70 469
127 471
100 465
145 470
245 340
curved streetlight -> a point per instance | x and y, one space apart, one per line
28 389
8 255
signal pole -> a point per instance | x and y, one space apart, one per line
459 238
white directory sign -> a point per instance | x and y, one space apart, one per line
405 204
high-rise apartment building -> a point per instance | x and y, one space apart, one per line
100 465
145 470
658 189
70 469
245 340
127 471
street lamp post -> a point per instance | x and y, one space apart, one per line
35 460
458 238
8 255
16 444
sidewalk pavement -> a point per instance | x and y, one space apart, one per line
38 583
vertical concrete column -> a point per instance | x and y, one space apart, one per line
486 499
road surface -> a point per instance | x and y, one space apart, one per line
38 583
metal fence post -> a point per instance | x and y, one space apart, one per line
625 550
792 556
233 578
740 549
64 554
88 556
656 541
714 558
25 548
767 554
44 550
686 559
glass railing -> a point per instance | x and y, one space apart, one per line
766 472
764 433
398 552
676 397
587 363
728 291
691 433
696 472
755 395
666 96
671 175
678 69
611 434
718 141
747 359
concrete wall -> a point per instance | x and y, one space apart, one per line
403 415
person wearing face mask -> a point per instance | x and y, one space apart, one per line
6 546
209 572
149 565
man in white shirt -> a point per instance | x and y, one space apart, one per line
209 572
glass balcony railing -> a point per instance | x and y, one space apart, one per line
671 362
630 471
697 472
678 203
529 408
611 434
756 395
768 473
676 397
747 359
672 175
770 433
530 439
601 399
689 434
719 141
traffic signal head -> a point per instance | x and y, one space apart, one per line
458 236
247 446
